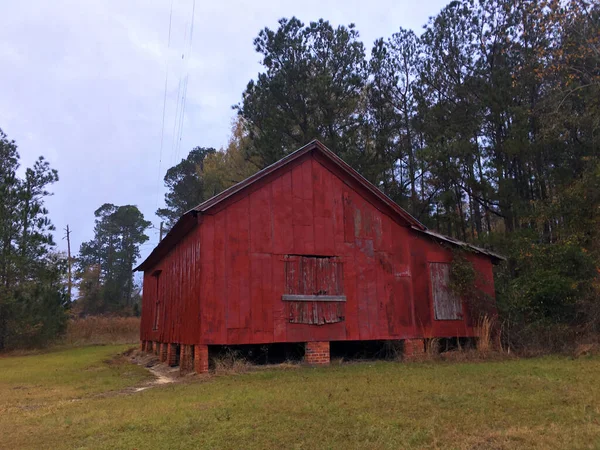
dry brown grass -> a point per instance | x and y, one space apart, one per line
483 332
432 347
96 330
231 362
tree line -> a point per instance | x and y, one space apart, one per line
484 126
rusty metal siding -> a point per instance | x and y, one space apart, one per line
447 305
225 281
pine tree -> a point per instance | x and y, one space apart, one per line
118 234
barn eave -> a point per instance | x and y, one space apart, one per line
495 257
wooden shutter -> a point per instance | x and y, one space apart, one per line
314 291
447 305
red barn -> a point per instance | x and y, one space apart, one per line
304 251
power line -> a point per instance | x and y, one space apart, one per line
184 95
69 260
162 133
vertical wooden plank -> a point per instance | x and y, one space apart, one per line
243 262
256 293
308 270
328 195
282 213
218 326
268 299
278 279
308 190
292 274
338 207
324 226
403 301
373 304
393 329
260 291
355 314
318 208
233 267
339 278
260 220
387 235
204 291
319 282
381 302
421 290
197 282
348 218
298 214
377 227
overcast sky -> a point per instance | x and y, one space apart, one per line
83 82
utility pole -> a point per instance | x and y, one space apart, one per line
161 231
68 238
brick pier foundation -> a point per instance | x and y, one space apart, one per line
171 355
186 358
413 348
162 356
317 353
201 358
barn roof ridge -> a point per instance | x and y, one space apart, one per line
183 225
315 144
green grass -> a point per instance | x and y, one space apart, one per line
71 399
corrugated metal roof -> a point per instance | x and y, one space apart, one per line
462 244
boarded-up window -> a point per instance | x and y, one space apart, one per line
447 304
314 291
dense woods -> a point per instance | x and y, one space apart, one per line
484 125
33 292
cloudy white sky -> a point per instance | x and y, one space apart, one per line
82 83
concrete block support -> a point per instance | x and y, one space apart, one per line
186 358
163 352
317 353
155 347
413 348
171 355
201 358
142 346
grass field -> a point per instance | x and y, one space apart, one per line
78 398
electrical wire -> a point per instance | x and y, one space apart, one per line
179 135
162 133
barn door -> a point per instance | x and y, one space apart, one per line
446 304
314 291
